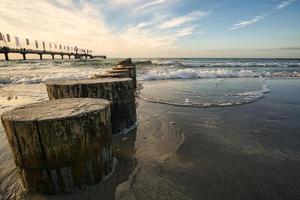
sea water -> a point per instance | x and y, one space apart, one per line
209 128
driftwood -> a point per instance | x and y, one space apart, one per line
62 145
119 91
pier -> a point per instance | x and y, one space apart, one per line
25 47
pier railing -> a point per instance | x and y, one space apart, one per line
27 46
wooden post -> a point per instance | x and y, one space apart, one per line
126 62
110 75
41 56
119 91
126 72
132 71
62 56
52 56
24 56
69 56
62 145
6 56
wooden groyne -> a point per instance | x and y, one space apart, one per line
60 145
123 69
119 91
128 65
64 144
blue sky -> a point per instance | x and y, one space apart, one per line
161 28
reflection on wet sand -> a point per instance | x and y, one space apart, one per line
138 173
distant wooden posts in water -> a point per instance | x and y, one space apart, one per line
119 91
123 69
60 145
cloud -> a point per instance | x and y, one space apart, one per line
284 4
122 2
178 21
258 18
185 31
82 24
149 4
248 22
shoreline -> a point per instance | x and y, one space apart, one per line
186 153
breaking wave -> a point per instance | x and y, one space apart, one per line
229 63
43 79
209 73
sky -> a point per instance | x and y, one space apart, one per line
160 28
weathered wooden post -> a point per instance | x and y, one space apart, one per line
61 145
119 91
24 56
6 56
110 75
132 72
126 62
126 72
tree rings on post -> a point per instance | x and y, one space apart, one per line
62 145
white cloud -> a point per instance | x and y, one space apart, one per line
83 26
123 2
185 31
248 22
149 4
285 4
256 19
178 21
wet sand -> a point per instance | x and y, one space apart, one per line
241 152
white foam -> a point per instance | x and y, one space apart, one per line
42 78
244 98
224 63
163 62
254 95
195 74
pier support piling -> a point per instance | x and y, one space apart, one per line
119 91
6 56
24 56
41 56
60 146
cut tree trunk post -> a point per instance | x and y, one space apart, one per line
126 62
62 145
110 75
124 71
132 71
119 91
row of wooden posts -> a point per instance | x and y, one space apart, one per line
64 144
